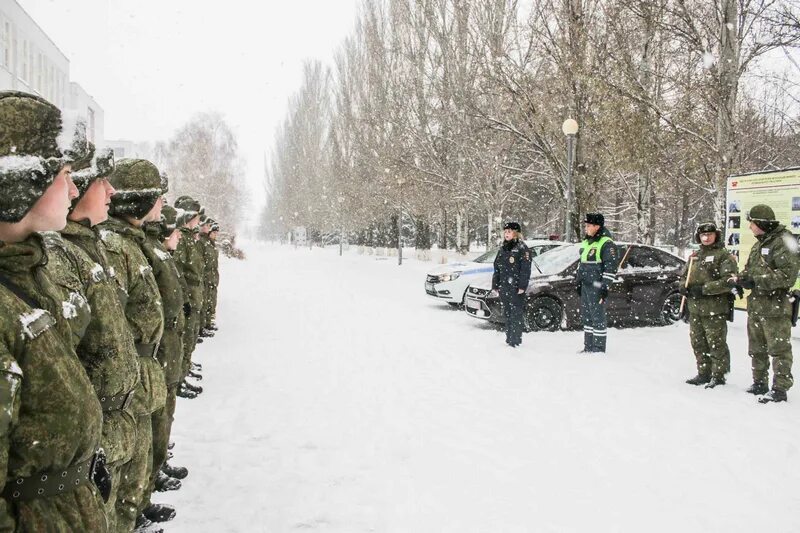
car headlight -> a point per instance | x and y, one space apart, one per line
450 276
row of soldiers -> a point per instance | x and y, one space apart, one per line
104 292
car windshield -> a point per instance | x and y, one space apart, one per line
487 257
556 260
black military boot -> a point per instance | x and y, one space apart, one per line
195 375
699 379
171 445
199 340
157 512
758 388
715 381
197 367
197 389
143 525
774 395
177 472
165 483
186 393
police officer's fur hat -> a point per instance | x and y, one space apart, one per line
707 227
138 185
512 226
595 218
30 157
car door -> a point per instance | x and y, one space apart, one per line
644 282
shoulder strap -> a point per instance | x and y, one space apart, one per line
19 293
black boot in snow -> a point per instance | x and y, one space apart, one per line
715 382
195 375
157 512
197 389
757 389
177 472
171 445
774 395
199 340
143 525
698 380
165 483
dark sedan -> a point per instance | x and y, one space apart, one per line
645 291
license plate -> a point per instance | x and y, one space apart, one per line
429 287
473 304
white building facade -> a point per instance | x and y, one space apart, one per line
31 62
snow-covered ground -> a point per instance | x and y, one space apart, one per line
339 398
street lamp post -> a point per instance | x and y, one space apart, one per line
570 129
400 182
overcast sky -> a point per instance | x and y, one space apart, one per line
151 64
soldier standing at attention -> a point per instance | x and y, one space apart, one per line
597 268
52 421
137 200
212 281
512 271
710 304
770 273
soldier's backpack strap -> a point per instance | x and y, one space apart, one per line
19 293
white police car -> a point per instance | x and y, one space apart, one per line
448 283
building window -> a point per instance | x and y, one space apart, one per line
90 126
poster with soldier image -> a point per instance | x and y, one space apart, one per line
777 189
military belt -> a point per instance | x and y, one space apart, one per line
51 483
147 350
116 403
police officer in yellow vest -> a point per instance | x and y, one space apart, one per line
596 271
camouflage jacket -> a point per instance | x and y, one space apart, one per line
189 257
712 266
210 261
51 417
170 351
142 304
772 264
106 350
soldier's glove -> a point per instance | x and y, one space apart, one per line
738 291
747 282
603 292
696 291
187 309
101 476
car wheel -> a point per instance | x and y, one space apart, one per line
671 309
543 314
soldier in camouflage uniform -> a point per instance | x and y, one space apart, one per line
79 264
138 199
170 353
210 276
710 305
52 421
189 259
770 272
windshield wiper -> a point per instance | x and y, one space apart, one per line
536 265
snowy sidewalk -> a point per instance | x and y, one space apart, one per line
339 398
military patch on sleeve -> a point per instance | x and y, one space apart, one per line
35 323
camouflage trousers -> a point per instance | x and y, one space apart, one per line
162 427
771 336
211 305
192 328
709 337
135 476
77 510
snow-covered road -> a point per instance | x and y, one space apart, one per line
339 398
